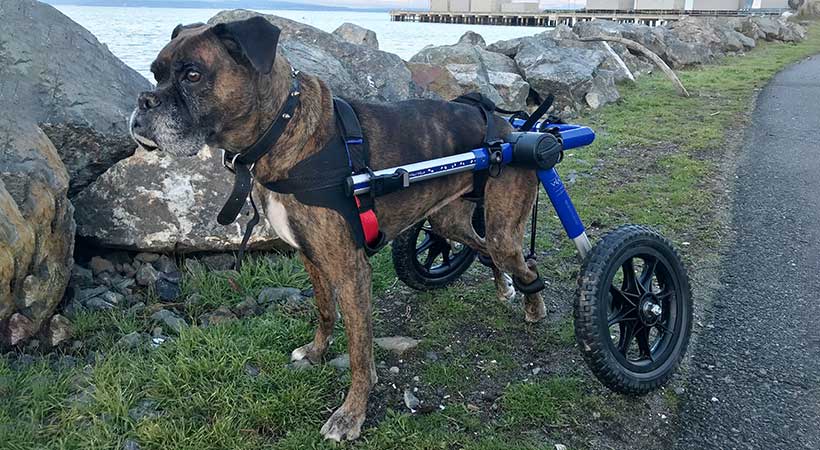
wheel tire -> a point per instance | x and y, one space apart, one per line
413 274
595 316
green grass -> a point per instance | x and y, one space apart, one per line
656 161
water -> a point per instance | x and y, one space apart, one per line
136 35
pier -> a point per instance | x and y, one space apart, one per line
549 19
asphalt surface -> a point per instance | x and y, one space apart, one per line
755 373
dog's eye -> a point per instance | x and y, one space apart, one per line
193 76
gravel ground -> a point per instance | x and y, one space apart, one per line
755 380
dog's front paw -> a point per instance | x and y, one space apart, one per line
307 353
343 424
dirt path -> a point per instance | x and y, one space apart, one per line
755 372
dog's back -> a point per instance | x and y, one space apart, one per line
419 130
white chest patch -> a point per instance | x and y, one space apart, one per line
278 219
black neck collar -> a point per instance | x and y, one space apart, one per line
250 155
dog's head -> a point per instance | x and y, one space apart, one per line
209 82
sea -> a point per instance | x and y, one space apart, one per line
136 35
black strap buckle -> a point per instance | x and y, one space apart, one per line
389 183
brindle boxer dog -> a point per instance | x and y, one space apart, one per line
221 86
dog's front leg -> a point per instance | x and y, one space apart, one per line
326 306
354 289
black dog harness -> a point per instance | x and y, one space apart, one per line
319 180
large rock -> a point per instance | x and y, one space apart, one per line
660 40
353 71
717 34
355 34
36 230
153 202
806 8
472 38
569 74
510 47
770 28
474 70
53 71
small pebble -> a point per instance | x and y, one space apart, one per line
411 401
394 369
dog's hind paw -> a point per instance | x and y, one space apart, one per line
343 424
504 288
534 309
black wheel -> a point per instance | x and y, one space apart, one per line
633 313
424 260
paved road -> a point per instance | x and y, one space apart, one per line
756 366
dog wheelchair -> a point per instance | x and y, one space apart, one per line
633 308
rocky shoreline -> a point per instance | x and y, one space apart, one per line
68 168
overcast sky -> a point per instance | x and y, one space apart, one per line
426 3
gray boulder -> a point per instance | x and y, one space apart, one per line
472 38
619 59
567 73
36 230
152 202
55 73
470 68
717 34
357 35
353 71
511 47
770 28
660 40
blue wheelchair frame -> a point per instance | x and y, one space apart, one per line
573 136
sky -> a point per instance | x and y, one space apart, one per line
423 4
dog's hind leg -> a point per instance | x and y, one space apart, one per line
455 222
326 307
509 200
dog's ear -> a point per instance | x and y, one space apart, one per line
181 27
253 39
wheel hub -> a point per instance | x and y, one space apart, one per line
650 310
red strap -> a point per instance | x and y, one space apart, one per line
370 224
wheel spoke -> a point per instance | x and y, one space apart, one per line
664 329
622 297
445 254
642 336
625 313
627 334
650 264
425 245
431 257
630 285
665 295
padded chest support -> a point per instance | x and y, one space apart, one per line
320 179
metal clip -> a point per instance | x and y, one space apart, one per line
230 165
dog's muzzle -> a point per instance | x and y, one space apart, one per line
135 127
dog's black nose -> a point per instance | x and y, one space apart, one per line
148 100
